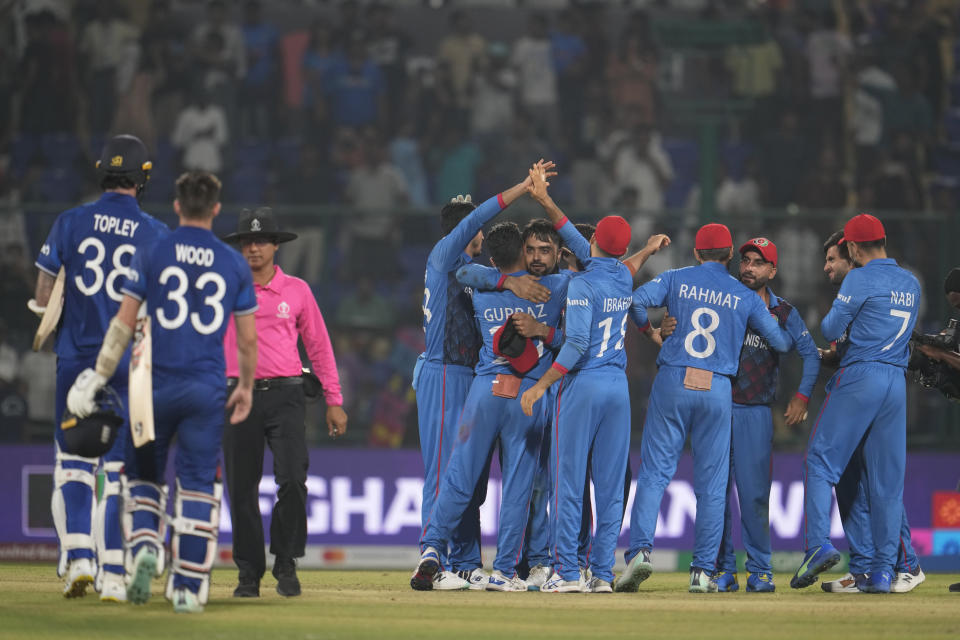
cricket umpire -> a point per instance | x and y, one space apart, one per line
287 310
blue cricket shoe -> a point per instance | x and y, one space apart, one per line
817 560
726 581
761 582
878 582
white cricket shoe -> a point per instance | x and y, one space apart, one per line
905 581
638 570
186 601
449 581
113 588
538 577
499 582
846 584
80 575
585 576
476 577
598 585
701 581
556 584
144 568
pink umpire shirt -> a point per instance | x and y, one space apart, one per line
288 309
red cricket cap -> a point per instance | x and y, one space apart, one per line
613 235
713 236
520 352
863 228
762 246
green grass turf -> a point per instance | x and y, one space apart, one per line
380 604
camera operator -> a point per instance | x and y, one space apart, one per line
936 357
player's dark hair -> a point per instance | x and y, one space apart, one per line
714 255
505 244
952 283
453 213
109 182
197 192
586 230
543 230
873 245
834 241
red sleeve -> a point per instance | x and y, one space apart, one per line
559 367
564 220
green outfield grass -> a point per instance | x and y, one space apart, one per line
380 604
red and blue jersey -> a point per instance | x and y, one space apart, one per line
756 380
876 308
713 310
451 334
94 243
191 282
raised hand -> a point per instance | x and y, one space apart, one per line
658 241
527 287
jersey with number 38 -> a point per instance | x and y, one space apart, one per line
192 282
877 305
95 244
713 310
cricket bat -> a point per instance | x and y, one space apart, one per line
51 315
140 401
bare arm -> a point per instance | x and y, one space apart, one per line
242 397
637 260
44 286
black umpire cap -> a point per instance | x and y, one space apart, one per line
259 224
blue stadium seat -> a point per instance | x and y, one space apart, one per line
24 148
252 153
685 156
734 156
287 152
247 185
60 150
61 185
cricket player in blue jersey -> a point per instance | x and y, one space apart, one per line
692 394
190 282
93 244
876 308
490 414
593 407
754 388
445 370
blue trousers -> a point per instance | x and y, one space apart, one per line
866 402
751 445
193 412
441 392
675 411
855 516
593 420
539 530
486 420
78 498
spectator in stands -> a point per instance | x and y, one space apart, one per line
874 88
201 133
461 51
9 359
260 87
492 106
16 288
828 54
907 109
45 80
631 76
569 53
163 49
637 159
388 46
134 114
783 151
354 91
532 57
755 71
734 194
309 180
108 43
822 187
364 308
892 185
405 154
231 56
453 163
38 375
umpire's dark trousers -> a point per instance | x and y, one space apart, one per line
277 417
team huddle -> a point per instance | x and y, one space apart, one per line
527 357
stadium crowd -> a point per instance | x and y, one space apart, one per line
363 110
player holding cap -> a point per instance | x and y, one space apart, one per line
92 246
866 401
508 365
691 394
754 388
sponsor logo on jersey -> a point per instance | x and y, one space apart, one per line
283 310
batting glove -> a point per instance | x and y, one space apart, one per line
80 398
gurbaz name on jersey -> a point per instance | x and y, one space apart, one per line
500 314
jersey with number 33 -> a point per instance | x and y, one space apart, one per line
94 243
878 304
713 310
191 282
